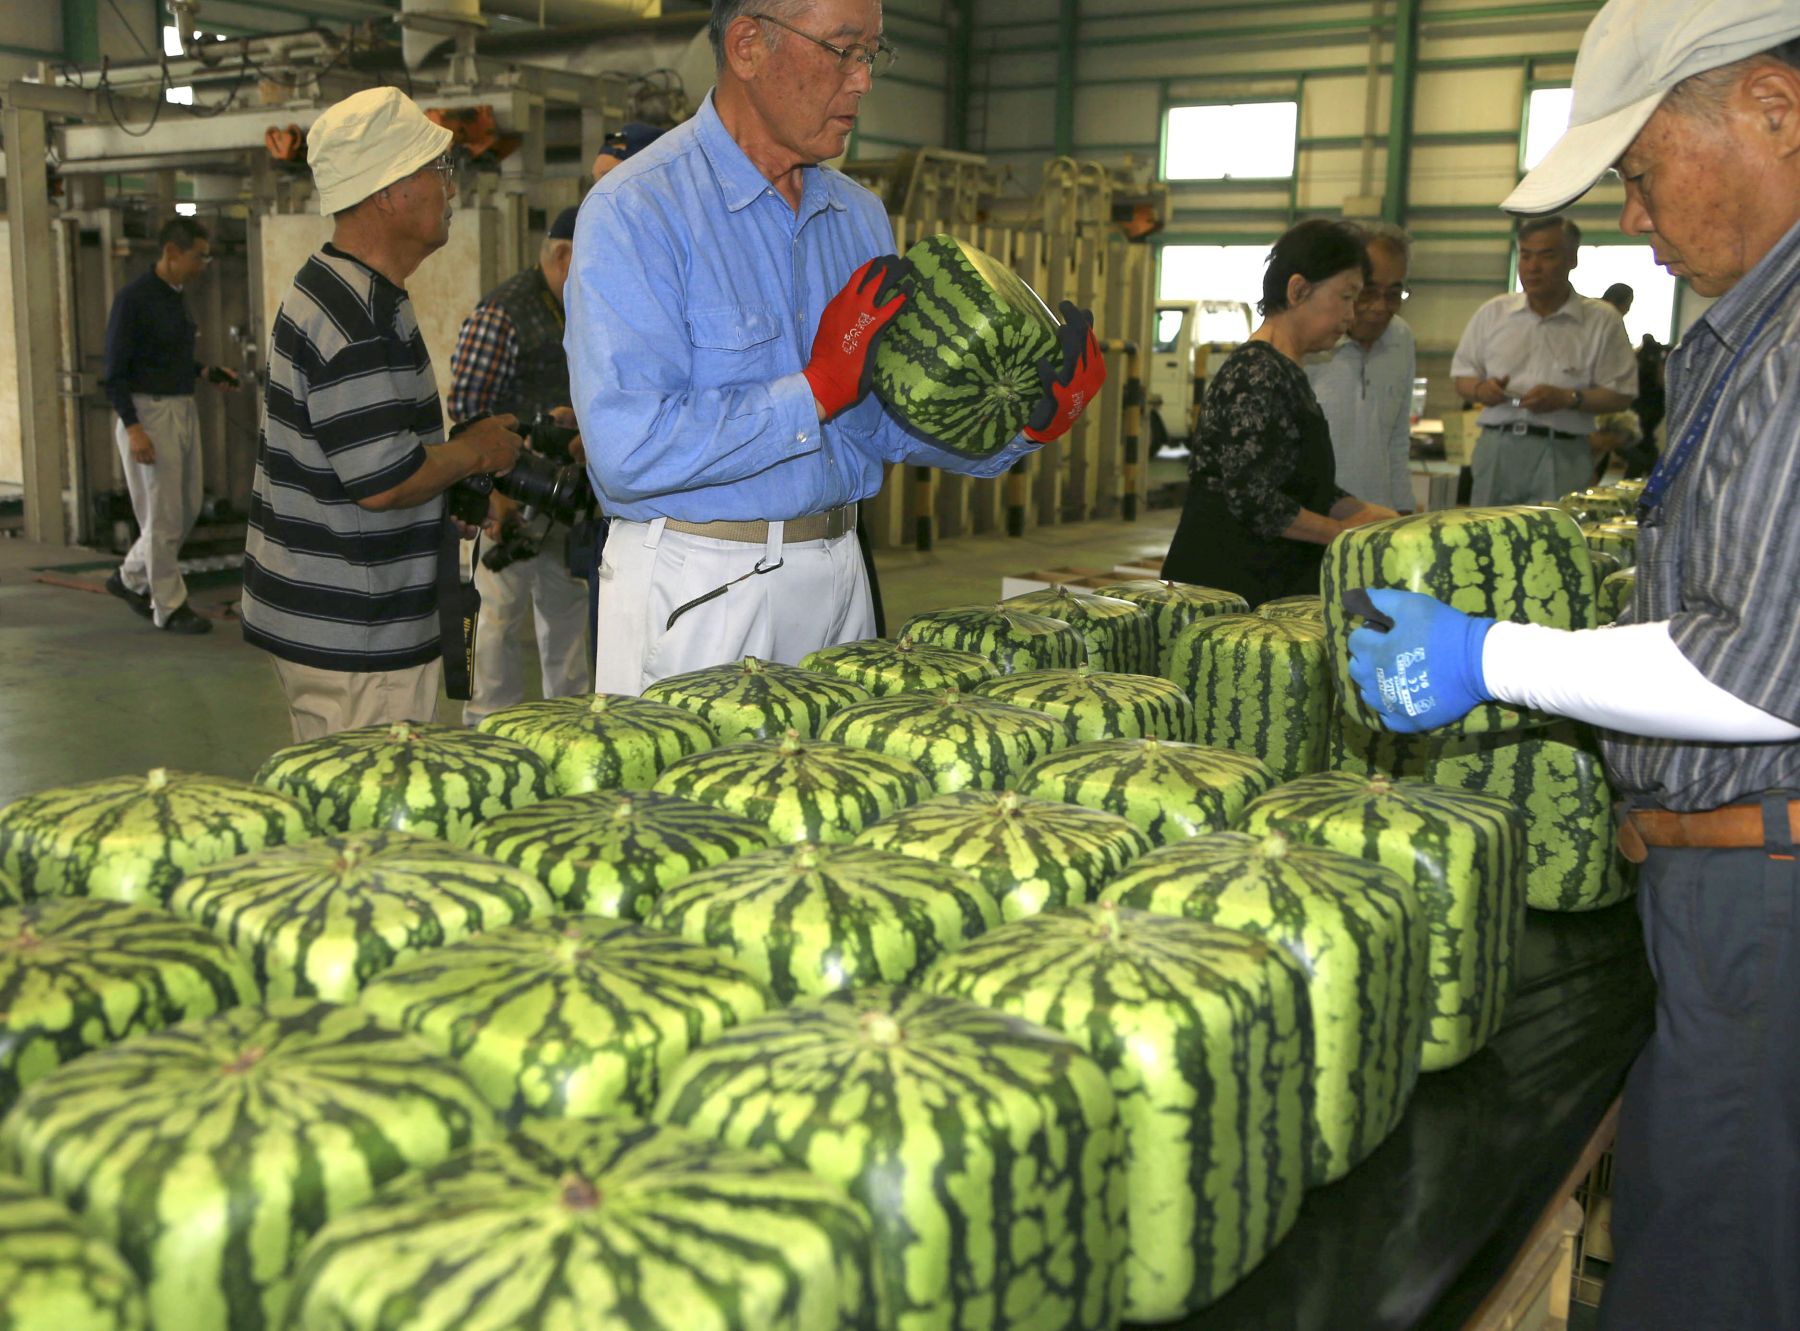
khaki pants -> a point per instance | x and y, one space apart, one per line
165 497
541 590
323 702
1513 468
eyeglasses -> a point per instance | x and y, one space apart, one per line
877 59
1394 296
445 165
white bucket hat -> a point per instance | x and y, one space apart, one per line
1634 52
368 141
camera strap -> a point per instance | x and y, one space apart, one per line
459 613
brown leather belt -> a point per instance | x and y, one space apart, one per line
826 526
1734 827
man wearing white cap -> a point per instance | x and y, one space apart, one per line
346 509
1697 106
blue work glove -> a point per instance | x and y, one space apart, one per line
1423 672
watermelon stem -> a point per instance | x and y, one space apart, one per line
244 1061
880 1028
578 1194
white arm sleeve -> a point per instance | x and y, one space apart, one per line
1632 679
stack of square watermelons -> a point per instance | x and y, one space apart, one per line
1021 972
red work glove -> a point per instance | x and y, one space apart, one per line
843 350
1068 388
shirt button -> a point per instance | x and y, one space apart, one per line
800 438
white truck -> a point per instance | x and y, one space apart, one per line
1186 333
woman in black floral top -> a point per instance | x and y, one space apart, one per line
1263 499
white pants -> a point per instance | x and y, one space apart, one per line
1527 468
540 589
165 497
818 597
323 702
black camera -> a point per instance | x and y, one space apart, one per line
545 479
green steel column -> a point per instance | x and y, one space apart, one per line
1068 21
962 71
1400 113
81 31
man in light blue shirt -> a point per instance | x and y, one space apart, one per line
1365 383
729 455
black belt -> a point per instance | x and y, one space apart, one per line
1541 431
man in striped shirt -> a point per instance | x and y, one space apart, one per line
1697 690
346 510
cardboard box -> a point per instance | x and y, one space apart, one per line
1460 434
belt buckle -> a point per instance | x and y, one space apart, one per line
1517 427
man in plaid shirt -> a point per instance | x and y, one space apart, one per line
509 359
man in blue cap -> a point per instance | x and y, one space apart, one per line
509 360
621 144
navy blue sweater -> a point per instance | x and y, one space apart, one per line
149 345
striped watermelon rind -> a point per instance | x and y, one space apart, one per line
1261 686
1555 775
1172 606
1031 854
801 790
959 363
987 1150
1172 791
130 838
605 741
611 852
1527 565
810 919
957 741
884 668
569 1016
434 780
1356 929
1616 590
208 1152
1096 705
55 1276
77 974
1011 638
595 1223
1207 1037
1310 608
1120 636
322 918
757 699
1463 853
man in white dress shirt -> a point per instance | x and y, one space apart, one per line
1365 382
1542 363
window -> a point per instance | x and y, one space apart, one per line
1652 287
1546 121
1168 328
1245 141
182 96
187 209
1228 274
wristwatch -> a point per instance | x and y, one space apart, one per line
1576 404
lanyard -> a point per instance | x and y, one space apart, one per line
1670 466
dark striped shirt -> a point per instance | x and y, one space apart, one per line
350 404
1723 564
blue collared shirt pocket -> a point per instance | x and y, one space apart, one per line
735 343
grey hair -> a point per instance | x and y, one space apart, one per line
1386 233
727 12
1703 95
1570 228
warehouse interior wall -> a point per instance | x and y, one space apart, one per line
1097 80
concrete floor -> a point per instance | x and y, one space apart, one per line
88 690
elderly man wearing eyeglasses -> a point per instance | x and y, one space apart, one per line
1364 384
726 299
150 377
346 509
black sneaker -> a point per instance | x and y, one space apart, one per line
184 620
136 600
